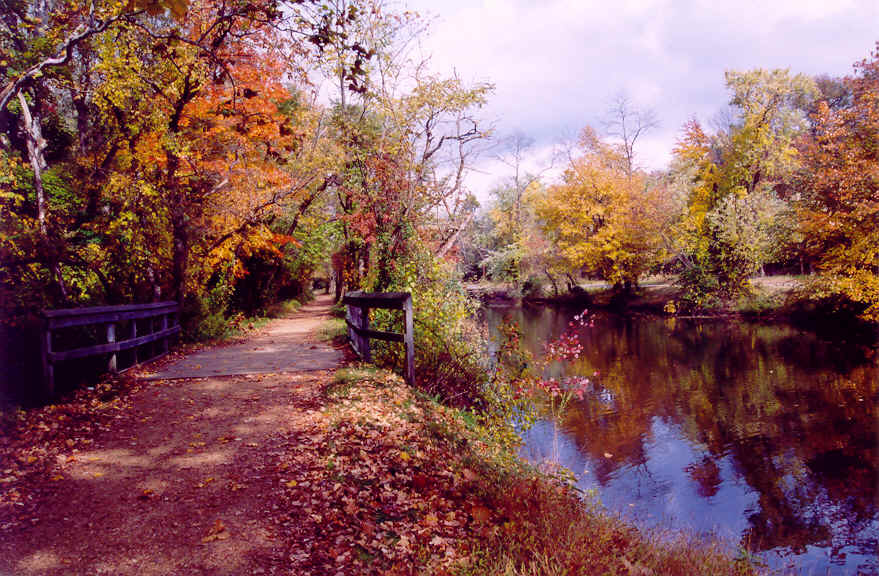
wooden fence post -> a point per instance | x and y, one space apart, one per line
164 326
365 352
132 334
45 351
111 337
350 323
409 342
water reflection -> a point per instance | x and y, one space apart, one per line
760 434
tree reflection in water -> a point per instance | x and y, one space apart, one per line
761 432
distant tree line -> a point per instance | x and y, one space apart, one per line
788 179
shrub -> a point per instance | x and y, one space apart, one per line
532 287
450 347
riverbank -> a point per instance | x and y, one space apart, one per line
773 299
426 490
656 295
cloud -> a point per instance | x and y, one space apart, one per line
556 64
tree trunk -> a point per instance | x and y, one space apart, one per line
156 289
338 262
35 145
181 254
340 284
555 286
450 242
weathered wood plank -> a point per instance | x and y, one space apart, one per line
162 328
365 352
111 339
64 312
409 343
132 335
111 347
45 352
376 334
103 317
389 300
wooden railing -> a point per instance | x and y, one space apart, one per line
359 333
158 322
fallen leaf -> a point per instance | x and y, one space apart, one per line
218 532
480 513
403 542
291 484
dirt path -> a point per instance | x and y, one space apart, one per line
283 346
182 477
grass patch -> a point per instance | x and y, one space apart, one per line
333 330
240 325
282 309
345 379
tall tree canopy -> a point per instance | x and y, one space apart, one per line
839 211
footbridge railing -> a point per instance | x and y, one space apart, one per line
359 332
127 327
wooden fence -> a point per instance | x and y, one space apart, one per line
145 323
359 333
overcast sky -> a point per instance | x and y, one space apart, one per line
557 64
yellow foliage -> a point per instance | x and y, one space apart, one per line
602 218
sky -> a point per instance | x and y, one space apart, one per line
558 64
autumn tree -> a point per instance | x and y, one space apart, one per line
626 124
738 179
601 215
839 211
407 139
513 254
149 150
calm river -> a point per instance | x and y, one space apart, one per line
763 436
